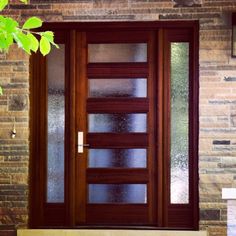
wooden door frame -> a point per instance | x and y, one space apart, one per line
38 212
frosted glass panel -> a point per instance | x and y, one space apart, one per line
179 122
56 127
117 88
117 123
117 158
117 193
117 52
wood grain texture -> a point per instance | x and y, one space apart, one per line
117 105
118 214
117 176
81 125
118 70
111 140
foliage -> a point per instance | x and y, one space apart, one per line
30 41
11 32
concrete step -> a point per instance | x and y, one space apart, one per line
50 232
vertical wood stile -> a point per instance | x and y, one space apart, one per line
81 125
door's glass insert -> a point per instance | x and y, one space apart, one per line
117 88
117 52
56 125
117 193
117 123
179 122
117 158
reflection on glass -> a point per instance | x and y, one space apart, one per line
117 123
117 193
56 127
119 158
117 88
179 122
117 52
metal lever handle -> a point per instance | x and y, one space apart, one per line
81 144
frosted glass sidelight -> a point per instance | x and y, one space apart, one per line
56 125
117 123
117 158
117 88
117 193
179 123
117 52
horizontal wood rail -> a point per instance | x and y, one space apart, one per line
111 140
117 105
117 70
114 175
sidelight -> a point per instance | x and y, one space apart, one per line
179 122
55 125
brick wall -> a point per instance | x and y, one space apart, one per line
217 150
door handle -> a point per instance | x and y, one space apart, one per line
81 144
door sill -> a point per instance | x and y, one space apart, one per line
107 232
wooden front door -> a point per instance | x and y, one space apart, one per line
115 127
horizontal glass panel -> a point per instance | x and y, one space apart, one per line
117 123
121 158
179 123
117 193
117 52
56 125
117 88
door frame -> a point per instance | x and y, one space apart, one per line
41 214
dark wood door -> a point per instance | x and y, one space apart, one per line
115 172
114 83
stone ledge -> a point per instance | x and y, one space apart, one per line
108 233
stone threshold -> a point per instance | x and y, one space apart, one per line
54 232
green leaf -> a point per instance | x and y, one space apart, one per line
10 25
1 91
2 21
34 44
32 23
24 1
2 42
9 40
49 35
4 45
45 46
23 41
3 3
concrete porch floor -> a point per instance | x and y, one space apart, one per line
28 232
